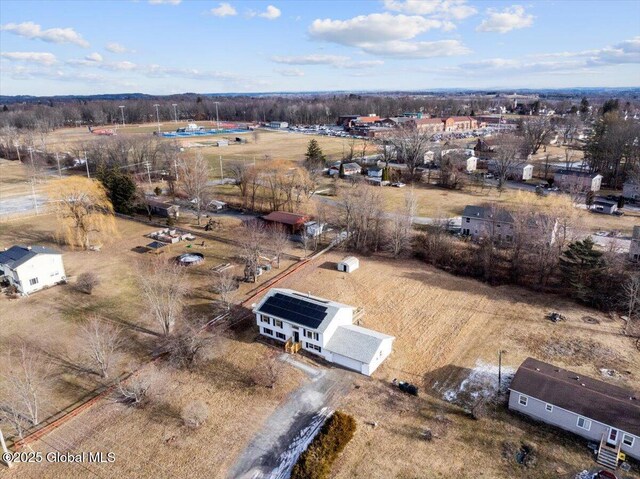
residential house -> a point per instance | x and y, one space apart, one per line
631 190
374 172
482 222
517 172
634 248
349 169
602 205
31 268
293 223
163 208
471 164
593 409
321 327
576 180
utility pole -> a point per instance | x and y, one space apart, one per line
5 451
146 163
17 145
157 116
175 165
175 112
58 161
86 163
217 120
221 172
122 112
33 193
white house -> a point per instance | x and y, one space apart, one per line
573 180
634 247
321 327
472 164
278 124
516 172
31 268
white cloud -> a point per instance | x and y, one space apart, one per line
120 66
271 13
94 57
223 10
455 9
165 2
290 72
337 61
374 28
311 59
624 52
42 58
402 49
52 35
114 47
511 18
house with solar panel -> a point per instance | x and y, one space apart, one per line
321 327
31 268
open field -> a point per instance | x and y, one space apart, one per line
446 327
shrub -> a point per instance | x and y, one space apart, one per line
157 191
316 461
87 281
194 414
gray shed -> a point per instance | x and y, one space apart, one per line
349 264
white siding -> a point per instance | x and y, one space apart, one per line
45 269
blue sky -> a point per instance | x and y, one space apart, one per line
173 46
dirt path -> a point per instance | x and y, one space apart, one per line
289 430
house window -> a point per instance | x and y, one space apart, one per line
523 400
264 319
281 336
584 423
33 281
549 407
277 323
313 346
267 331
468 220
627 440
311 335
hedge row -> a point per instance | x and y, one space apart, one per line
316 461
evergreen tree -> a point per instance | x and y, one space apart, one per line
386 176
314 156
589 199
584 105
341 172
581 267
120 187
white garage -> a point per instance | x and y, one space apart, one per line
358 348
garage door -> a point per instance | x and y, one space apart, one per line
347 362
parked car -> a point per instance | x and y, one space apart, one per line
398 184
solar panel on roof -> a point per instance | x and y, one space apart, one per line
295 310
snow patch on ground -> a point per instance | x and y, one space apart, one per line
481 382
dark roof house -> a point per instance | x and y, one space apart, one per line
17 255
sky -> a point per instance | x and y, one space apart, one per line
176 46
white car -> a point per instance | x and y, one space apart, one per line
398 184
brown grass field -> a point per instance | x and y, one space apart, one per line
446 329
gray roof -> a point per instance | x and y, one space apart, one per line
17 255
577 173
332 307
481 212
597 400
604 202
356 342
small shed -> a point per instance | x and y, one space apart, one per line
602 205
349 264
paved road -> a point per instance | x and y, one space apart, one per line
21 204
288 431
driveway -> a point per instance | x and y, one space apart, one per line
288 431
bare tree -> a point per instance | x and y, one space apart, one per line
401 224
278 241
631 295
24 387
225 284
268 371
194 414
252 242
410 145
163 287
100 342
193 179
536 132
87 281
188 346
507 157
138 390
